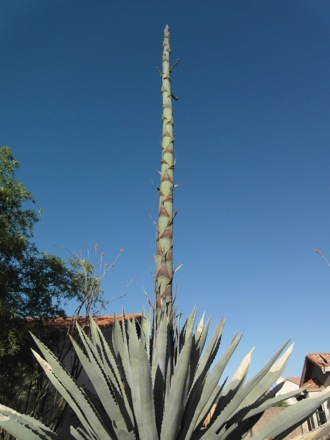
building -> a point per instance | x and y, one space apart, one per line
316 377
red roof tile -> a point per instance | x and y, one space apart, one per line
295 380
102 321
322 360
312 360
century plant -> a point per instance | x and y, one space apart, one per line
164 231
144 391
156 380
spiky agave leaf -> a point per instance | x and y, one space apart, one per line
291 416
102 385
111 369
233 398
187 329
161 348
122 376
76 398
138 408
245 418
24 427
200 337
141 386
103 356
121 353
204 389
230 390
178 392
121 419
78 433
205 392
256 392
161 369
257 409
146 329
266 381
186 388
207 357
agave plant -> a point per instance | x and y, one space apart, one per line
161 385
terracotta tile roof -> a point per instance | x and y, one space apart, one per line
322 360
102 321
295 380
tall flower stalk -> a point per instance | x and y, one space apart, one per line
164 237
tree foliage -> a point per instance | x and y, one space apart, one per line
32 283
34 287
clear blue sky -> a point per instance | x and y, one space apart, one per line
81 110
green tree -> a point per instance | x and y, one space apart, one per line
32 284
